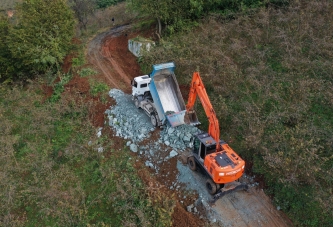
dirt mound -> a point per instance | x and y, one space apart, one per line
180 218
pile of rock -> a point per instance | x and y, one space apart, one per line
128 121
134 125
179 137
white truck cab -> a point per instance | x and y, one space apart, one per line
140 85
159 96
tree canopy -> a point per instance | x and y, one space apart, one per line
106 3
82 9
5 61
177 15
38 39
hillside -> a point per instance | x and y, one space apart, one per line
268 73
67 161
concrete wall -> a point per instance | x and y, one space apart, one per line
136 46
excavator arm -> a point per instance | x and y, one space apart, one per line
198 89
223 166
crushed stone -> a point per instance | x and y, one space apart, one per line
134 125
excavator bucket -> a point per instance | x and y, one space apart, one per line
191 118
176 119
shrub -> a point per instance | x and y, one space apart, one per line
96 88
86 72
107 3
38 42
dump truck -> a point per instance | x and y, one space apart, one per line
159 96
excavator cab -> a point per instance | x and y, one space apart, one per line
203 145
221 165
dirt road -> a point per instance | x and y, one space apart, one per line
252 208
109 54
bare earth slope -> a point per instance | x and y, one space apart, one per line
109 54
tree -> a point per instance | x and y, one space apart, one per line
158 9
82 9
106 3
41 37
5 56
169 12
178 15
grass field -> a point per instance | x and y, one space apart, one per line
52 175
268 75
52 172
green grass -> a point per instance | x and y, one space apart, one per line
86 72
50 176
97 88
59 87
268 78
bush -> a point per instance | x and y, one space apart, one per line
106 3
86 72
58 88
37 42
96 88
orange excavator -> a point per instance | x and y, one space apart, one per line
215 157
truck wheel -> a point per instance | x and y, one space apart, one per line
153 119
137 103
211 186
192 164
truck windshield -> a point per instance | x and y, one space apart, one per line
143 85
134 83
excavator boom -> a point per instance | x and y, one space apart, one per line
215 156
198 88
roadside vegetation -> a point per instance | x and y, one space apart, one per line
267 70
52 170
25 56
175 16
53 175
